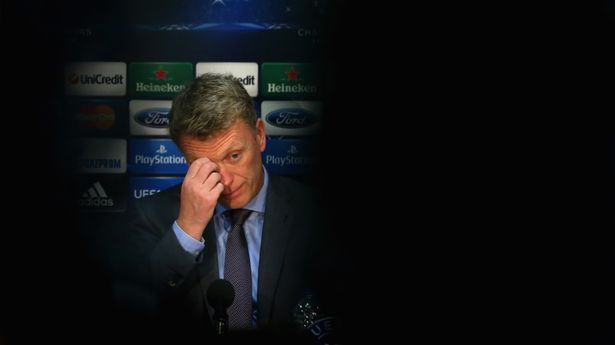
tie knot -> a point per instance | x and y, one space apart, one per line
238 216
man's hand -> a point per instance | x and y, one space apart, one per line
200 191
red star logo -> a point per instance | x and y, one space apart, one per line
292 74
161 74
73 79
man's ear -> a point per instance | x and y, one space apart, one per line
260 134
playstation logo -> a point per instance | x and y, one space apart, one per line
162 149
293 150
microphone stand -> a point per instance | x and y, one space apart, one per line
220 321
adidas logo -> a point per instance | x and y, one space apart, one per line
95 197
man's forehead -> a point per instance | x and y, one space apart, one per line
211 147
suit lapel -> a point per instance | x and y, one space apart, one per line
208 269
273 247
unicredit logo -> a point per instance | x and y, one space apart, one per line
153 117
73 79
95 79
291 118
247 80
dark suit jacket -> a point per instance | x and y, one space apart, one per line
291 257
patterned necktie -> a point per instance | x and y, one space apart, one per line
237 271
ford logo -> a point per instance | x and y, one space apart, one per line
291 118
153 117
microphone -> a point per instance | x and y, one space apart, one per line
310 317
220 295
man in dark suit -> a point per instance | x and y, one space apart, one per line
179 239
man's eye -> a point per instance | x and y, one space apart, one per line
234 156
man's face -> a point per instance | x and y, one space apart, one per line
237 153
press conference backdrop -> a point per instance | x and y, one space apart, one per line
121 75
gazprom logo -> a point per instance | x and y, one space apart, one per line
102 156
153 117
291 118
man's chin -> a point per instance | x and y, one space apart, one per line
232 203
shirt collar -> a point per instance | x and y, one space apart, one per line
257 204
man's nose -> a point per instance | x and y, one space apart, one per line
227 177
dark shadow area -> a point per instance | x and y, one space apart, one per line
58 259
471 199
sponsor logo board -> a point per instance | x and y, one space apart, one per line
159 79
156 156
245 72
141 187
95 79
290 156
97 116
102 156
148 117
104 193
291 117
289 80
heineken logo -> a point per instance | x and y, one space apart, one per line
298 88
289 79
152 87
161 74
166 79
292 74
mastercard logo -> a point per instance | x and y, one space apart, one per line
96 116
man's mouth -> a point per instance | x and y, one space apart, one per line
232 194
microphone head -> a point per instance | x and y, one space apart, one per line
220 294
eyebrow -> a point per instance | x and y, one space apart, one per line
237 147
234 146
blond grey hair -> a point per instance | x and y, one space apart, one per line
208 104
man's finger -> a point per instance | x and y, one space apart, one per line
212 180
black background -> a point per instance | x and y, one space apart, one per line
473 192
